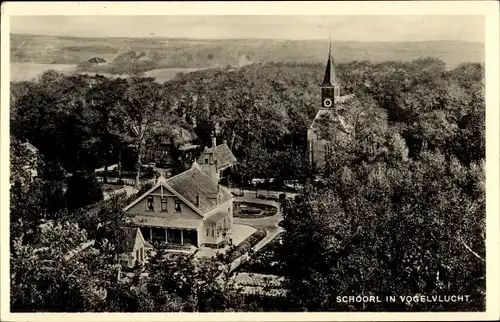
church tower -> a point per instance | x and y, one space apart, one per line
330 88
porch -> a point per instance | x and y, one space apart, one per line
175 238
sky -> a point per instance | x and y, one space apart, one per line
341 28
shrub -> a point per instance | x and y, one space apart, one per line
83 190
250 211
144 188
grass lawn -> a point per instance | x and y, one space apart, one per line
253 210
241 232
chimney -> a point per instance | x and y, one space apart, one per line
214 141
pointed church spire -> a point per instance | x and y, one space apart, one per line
330 89
330 78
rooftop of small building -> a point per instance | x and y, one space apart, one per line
223 155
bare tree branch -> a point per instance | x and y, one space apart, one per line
469 249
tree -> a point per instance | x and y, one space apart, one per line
103 99
143 98
83 190
45 278
414 227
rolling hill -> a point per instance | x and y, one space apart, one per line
155 56
189 53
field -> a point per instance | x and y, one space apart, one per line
29 71
165 74
166 55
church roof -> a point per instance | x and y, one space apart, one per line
335 116
330 75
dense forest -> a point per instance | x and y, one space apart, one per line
401 209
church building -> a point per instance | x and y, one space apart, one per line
318 149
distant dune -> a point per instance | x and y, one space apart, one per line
161 57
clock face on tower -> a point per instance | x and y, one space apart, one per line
327 102
327 97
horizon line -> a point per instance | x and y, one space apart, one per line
260 39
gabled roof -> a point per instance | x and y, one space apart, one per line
193 182
162 182
334 116
189 184
128 242
223 155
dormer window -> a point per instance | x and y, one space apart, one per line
150 203
206 161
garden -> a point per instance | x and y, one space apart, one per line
250 210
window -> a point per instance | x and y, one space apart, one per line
197 200
177 205
207 232
213 232
150 203
337 91
206 161
164 203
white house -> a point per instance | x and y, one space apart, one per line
189 209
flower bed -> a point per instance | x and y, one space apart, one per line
253 210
